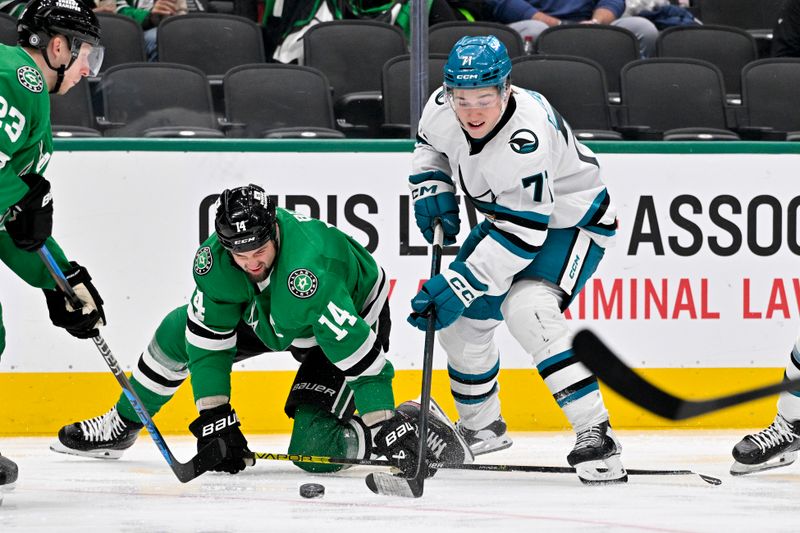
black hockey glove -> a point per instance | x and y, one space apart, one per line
81 323
222 423
397 440
31 220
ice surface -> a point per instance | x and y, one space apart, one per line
139 493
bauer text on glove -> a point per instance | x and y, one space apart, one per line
221 422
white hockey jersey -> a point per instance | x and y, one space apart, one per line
529 174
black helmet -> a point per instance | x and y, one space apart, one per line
245 219
42 19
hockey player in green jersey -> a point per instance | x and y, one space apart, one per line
269 280
57 47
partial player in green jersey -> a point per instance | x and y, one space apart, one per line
271 280
57 47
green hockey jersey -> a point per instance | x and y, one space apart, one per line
323 289
26 141
26 144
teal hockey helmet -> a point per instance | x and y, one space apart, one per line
475 62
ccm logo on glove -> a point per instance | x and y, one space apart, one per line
462 289
218 425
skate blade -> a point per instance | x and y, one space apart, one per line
602 472
58 447
785 459
491 445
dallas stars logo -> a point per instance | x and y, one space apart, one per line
303 283
30 78
203 261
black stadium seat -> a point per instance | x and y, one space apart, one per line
727 47
71 114
8 29
442 37
610 46
278 101
397 92
214 43
769 97
157 100
352 53
122 38
677 99
575 86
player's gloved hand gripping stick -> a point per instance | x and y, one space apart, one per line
205 459
382 482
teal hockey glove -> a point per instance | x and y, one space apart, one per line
434 197
449 293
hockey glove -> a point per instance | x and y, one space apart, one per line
397 439
448 293
434 197
81 323
221 422
31 220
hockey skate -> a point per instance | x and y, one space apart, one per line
770 448
492 438
596 456
8 475
104 437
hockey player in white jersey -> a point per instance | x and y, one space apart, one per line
548 221
778 444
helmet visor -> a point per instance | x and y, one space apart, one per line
474 98
93 55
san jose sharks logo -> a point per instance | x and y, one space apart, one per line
303 283
524 141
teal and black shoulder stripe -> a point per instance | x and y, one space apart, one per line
595 213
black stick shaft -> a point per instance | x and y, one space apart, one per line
427 362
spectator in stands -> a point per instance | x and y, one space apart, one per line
786 36
12 7
662 13
150 13
532 17
285 22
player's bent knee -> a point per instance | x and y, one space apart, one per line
534 318
317 432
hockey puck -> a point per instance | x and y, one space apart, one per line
312 490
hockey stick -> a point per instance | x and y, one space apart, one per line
608 367
206 458
320 459
412 487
